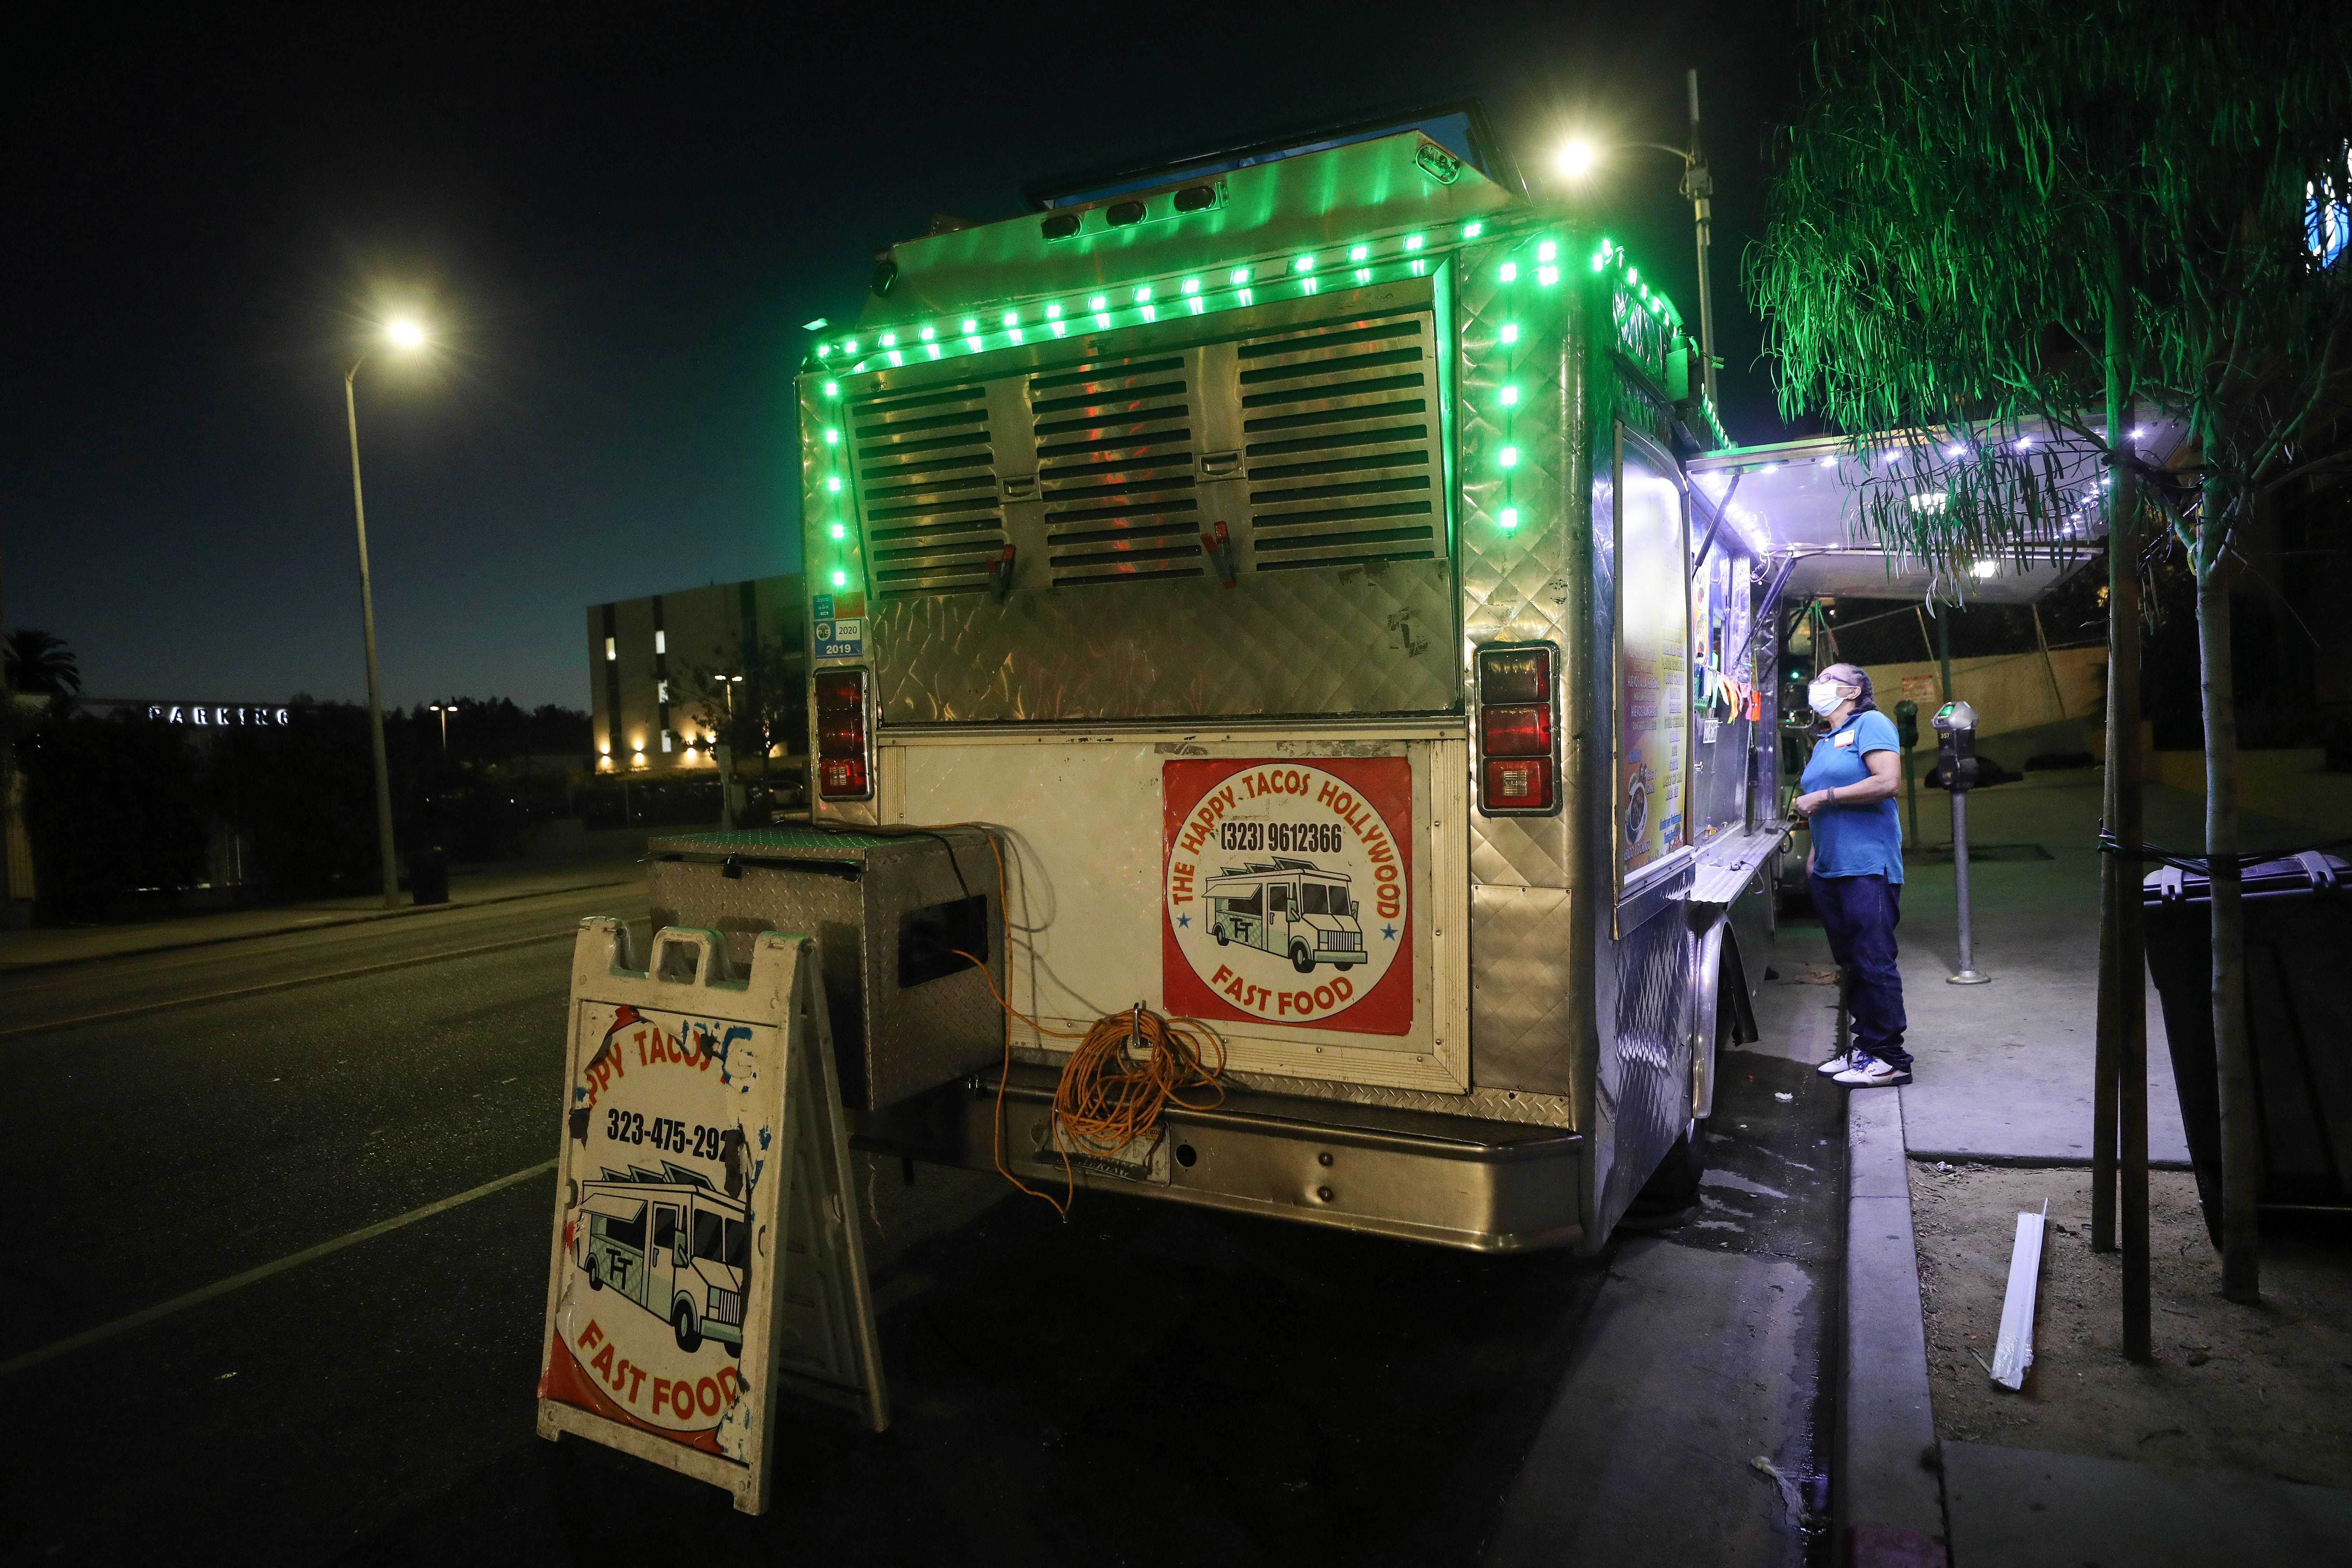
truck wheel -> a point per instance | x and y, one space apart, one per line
1672 1187
734 1348
1301 959
1672 1191
1343 968
1221 936
595 1281
690 1338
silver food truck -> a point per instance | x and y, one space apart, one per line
1300 540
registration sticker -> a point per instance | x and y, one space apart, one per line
843 638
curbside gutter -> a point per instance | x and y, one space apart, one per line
1888 1491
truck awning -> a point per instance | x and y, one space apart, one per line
1801 500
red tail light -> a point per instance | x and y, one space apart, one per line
1519 744
842 736
1516 732
1515 675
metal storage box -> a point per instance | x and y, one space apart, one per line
887 910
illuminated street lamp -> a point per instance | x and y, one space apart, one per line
408 336
1579 158
444 709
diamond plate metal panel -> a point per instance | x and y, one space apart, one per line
1517 579
850 891
1644 1088
1349 640
1523 1029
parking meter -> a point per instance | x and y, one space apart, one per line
1956 745
1956 751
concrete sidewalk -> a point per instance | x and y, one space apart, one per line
579 861
2005 1069
2004 1076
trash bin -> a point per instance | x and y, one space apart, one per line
2298 1015
428 875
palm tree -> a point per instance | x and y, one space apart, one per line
40 661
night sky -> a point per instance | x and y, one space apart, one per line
616 222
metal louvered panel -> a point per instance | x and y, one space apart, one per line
1341 434
926 491
1115 469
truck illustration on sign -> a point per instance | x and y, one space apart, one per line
673 1244
1289 906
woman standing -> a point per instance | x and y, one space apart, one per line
1856 867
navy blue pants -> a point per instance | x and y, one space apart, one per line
1860 914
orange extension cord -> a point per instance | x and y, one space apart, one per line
1128 1069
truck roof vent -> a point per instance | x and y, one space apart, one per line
1340 429
927 487
1115 464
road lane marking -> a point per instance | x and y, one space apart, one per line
17 1029
146 1315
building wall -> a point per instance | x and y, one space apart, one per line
643 655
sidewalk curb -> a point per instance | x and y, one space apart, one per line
1889 1509
357 917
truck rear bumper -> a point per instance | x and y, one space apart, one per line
1485 1186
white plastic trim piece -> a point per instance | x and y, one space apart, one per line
2013 1351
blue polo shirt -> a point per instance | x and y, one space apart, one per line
1866 838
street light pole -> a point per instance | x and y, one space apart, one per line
1699 186
374 682
1577 160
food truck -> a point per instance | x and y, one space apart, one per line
1290 907
1301 538
674 1244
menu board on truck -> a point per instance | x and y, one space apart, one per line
1654 678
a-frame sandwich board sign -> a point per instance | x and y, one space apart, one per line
706 1252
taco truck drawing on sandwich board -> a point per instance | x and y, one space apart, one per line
1291 908
674 1244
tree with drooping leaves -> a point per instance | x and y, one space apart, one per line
2006 235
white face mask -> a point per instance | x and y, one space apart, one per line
1824 697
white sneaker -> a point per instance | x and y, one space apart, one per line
1869 1072
1842 1062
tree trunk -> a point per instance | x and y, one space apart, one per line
2241 1174
2119 1107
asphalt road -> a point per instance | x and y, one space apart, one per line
1145 1385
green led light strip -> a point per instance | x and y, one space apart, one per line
1007 324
